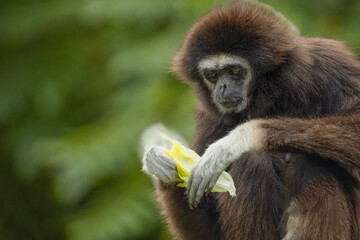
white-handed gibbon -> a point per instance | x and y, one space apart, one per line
279 112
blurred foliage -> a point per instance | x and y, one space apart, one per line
79 82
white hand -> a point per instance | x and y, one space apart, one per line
157 163
218 157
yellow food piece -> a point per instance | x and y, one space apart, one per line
186 158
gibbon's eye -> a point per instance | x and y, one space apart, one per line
211 76
236 72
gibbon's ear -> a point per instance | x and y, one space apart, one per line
245 28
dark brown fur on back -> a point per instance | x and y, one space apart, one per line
294 76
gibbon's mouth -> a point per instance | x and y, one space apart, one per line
234 106
231 104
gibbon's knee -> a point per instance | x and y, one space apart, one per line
296 169
322 210
311 180
261 199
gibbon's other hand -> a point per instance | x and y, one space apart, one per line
157 163
205 173
218 156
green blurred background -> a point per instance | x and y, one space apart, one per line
79 81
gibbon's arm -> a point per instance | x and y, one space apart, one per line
336 138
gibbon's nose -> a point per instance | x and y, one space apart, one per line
228 93
222 90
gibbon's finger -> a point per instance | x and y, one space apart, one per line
212 183
160 173
164 172
200 191
187 191
188 187
158 164
155 167
191 179
193 189
191 195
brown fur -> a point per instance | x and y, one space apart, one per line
296 77
317 136
321 212
256 211
336 138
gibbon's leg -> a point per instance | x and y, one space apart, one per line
256 211
322 210
321 206
336 138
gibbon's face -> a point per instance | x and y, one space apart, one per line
227 78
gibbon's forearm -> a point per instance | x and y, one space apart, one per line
336 138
